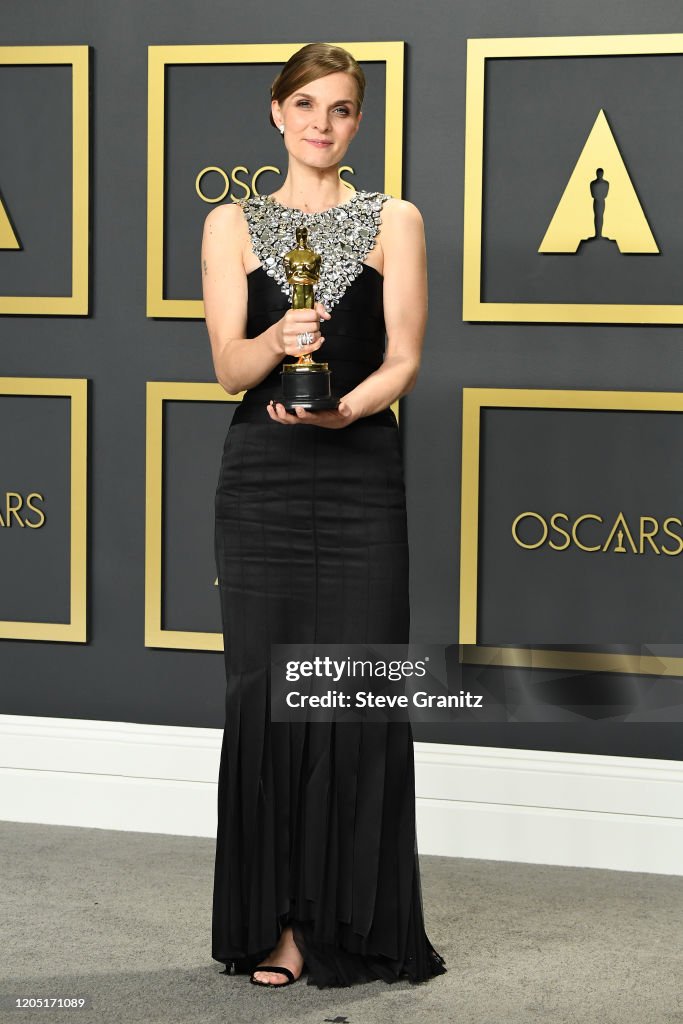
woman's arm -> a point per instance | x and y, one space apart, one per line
405 310
239 362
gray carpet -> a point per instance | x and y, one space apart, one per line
125 920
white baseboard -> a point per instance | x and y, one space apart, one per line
541 807
494 803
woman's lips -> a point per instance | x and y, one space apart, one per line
320 145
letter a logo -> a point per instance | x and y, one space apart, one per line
8 239
599 203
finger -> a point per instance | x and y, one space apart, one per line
306 316
303 328
276 412
320 415
283 415
298 329
292 348
306 414
322 311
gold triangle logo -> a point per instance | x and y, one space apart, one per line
8 239
599 203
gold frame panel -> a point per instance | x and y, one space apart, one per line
76 304
159 391
391 53
476 399
478 52
74 631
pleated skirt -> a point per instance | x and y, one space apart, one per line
316 821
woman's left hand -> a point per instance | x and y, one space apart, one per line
332 418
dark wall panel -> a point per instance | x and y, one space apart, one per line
115 677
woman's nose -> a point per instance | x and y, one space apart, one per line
322 123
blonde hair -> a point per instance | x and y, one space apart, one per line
315 60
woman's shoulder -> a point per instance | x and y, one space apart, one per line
398 211
395 213
226 226
224 215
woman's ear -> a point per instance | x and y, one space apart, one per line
276 112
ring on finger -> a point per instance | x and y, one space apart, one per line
304 339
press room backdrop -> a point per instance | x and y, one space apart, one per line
549 392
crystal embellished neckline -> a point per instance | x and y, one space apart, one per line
313 213
343 237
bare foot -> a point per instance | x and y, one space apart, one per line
286 954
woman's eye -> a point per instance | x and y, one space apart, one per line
338 110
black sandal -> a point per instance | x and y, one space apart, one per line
274 970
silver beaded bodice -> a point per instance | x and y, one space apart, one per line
342 235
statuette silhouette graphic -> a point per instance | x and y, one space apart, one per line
599 188
613 215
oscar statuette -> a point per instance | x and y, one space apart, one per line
305 383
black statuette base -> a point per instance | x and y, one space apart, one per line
313 404
307 388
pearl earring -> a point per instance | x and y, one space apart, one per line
282 129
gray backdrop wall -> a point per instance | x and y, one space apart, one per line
114 677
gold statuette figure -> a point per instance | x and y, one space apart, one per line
302 267
305 383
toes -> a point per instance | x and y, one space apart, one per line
268 977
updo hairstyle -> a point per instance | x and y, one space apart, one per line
315 60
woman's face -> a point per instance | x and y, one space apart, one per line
320 119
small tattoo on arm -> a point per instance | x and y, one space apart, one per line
205 267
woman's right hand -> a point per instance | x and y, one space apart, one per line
298 321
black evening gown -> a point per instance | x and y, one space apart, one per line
316 821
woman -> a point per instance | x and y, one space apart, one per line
316 857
